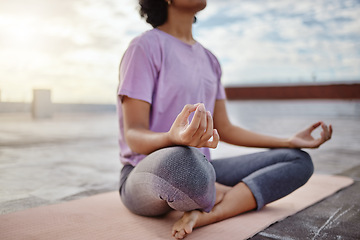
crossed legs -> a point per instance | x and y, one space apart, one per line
181 178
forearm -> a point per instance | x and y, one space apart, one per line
196 133
144 141
242 137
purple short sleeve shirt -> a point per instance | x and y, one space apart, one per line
167 73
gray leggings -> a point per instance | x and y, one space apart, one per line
181 178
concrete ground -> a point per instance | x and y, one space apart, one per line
74 155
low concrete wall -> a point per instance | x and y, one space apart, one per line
63 107
16 107
331 91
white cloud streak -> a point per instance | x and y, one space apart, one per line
74 47
284 41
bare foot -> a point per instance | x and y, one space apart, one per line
185 225
187 222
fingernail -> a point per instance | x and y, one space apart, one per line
201 108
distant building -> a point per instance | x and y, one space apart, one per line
42 106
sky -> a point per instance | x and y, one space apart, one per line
74 47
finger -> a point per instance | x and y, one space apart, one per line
326 131
314 126
331 130
323 137
185 113
209 128
198 124
215 140
203 123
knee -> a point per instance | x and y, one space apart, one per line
186 166
181 166
304 161
188 170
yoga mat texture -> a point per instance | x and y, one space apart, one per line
104 217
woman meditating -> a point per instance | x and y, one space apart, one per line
171 107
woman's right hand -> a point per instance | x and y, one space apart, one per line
197 133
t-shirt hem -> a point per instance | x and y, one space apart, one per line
130 94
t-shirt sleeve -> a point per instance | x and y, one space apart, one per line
220 91
137 74
220 88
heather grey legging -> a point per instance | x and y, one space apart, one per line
181 178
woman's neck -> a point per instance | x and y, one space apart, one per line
179 25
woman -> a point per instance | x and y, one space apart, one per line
172 110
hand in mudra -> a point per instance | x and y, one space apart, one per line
304 139
198 132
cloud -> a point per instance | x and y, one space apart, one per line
284 41
74 46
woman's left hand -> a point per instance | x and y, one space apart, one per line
304 139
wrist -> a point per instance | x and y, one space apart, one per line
168 139
288 143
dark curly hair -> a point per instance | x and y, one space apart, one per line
154 11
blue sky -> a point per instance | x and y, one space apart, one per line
74 47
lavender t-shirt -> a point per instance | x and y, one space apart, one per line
167 73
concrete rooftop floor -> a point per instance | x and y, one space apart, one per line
74 155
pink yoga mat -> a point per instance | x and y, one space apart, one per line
104 217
